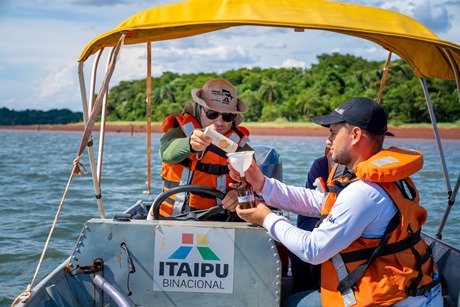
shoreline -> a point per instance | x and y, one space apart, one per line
400 132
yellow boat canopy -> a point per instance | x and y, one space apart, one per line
396 32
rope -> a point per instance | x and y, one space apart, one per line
384 78
76 168
28 292
24 295
79 168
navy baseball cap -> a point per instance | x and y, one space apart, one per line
362 112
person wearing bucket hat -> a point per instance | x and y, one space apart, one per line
187 153
367 240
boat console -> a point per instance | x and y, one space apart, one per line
184 263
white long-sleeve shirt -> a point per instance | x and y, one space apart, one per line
363 209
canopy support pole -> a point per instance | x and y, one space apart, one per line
98 102
92 159
100 152
452 193
441 153
456 71
148 101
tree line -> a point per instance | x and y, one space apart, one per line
284 94
34 117
295 94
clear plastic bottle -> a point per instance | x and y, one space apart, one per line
245 195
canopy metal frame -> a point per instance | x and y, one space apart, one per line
428 56
451 194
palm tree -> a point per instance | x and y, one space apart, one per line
167 93
269 91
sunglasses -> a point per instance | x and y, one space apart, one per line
226 117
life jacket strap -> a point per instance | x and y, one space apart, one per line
351 279
406 190
214 169
392 248
186 163
168 184
170 201
341 179
188 128
180 197
413 287
221 185
348 296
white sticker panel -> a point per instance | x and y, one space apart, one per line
193 259
385 161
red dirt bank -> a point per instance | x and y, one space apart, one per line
406 132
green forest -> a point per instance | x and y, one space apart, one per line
276 94
33 117
295 94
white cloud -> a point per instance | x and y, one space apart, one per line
38 67
57 82
131 64
293 63
433 15
271 45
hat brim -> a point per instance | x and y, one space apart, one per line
327 120
242 106
388 133
330 119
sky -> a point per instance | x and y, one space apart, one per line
42 39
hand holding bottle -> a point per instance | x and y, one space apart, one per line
253 176
255 215
199 141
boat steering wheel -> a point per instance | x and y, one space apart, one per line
197 215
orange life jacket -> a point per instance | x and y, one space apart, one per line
211 170
337 180
384 271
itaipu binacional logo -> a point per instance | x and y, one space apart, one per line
194 259
187 245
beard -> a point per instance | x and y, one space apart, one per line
342 157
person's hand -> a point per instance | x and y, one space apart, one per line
253 175
199 141
255 215
230 201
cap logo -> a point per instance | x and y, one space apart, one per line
340 111
227 93
222 92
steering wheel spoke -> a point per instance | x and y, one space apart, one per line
197 215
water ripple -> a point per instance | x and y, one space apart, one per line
35 167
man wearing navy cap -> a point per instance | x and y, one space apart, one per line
368 240
362 112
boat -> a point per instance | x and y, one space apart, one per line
132 259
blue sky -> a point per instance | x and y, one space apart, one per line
43 38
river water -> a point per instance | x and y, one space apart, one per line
35 166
